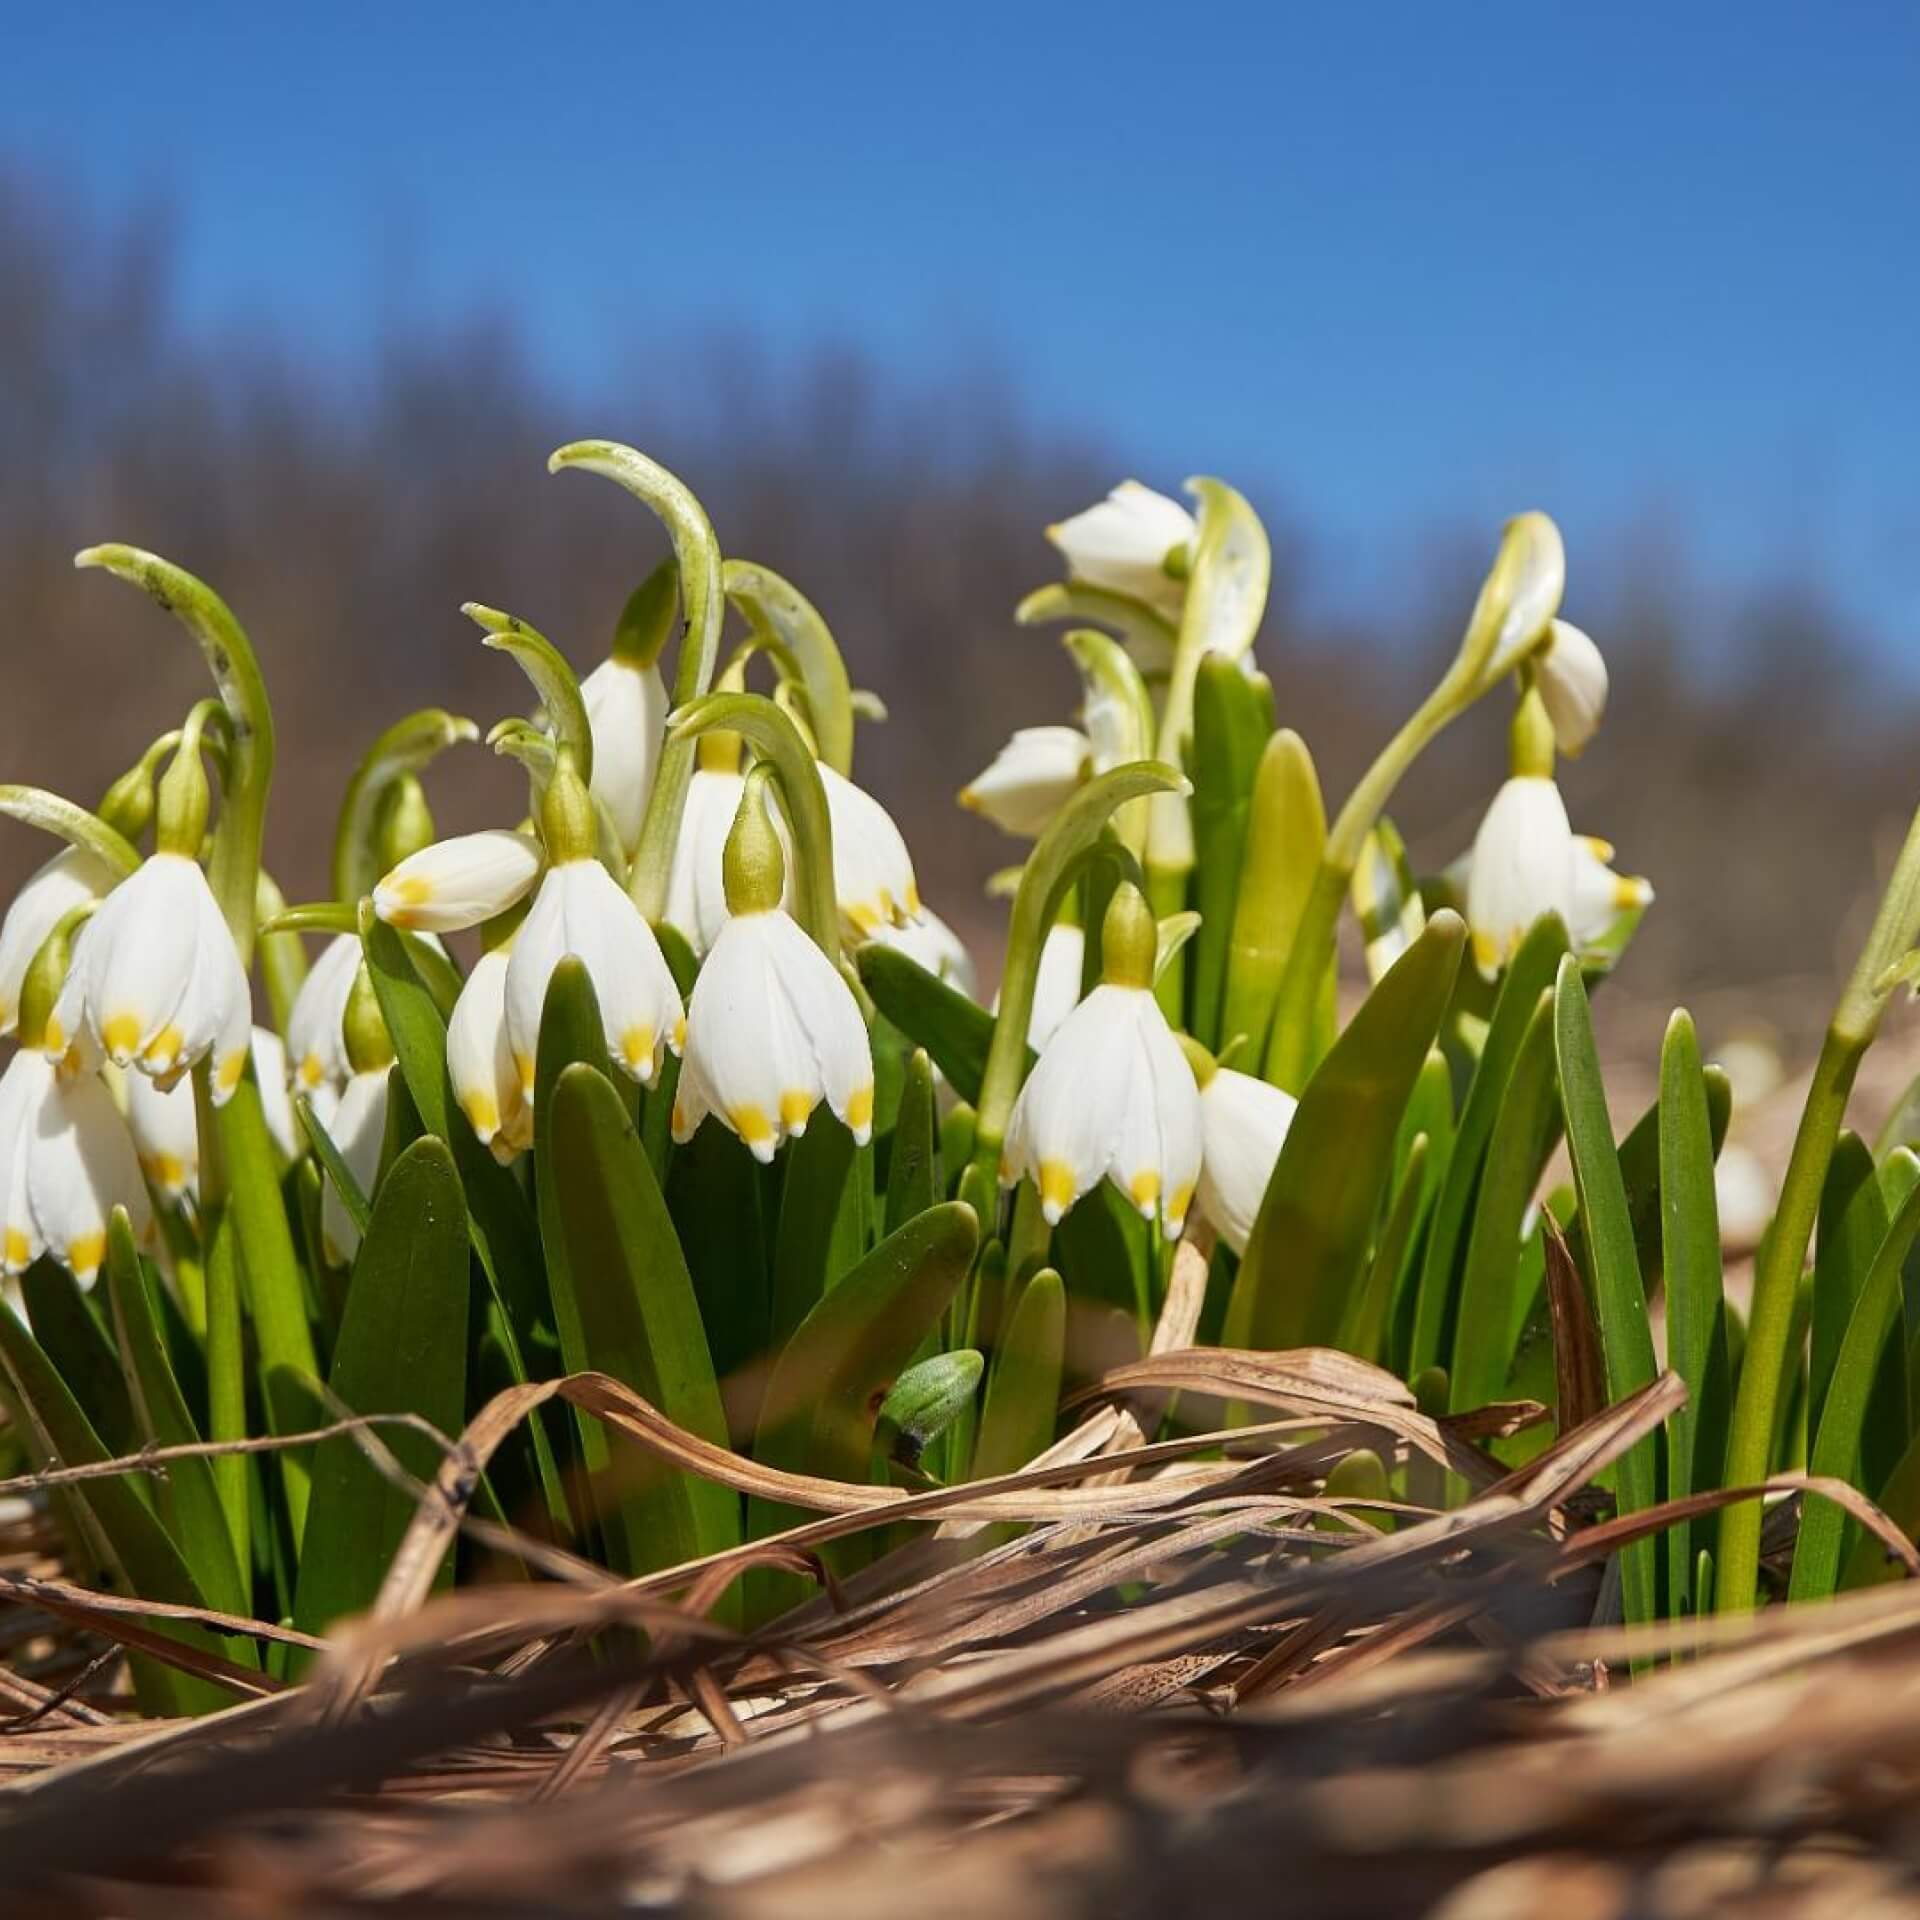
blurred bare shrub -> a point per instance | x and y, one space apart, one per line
346 510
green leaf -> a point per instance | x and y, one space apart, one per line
140 1557
339 1174
1524 1132
1530 974
912 1170
1023 1391
779 611
1696 1319
638 1320
1309 1242
1363 1328
1619 1299
189 1499
714 1193
73 1339
1232 719
809 1253
402 1349
1853 1222
924 1402
955 1032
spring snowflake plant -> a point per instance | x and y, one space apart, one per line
670 1075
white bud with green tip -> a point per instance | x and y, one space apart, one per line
455 884
1135 542
1572 677
1030 779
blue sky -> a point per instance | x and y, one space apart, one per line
1402 268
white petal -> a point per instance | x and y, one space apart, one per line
823 1007
1244 1124
1065 1124
315 1041
1031 778
1599 896
930 943
1535 598
1122 543
138 955
479 1061
81 1166
1572 678
696 897
1168 1081
276 1103
872 870
627 711
460 882
1056 988
70 879
358 1129
25 1088
166 1133
1522 867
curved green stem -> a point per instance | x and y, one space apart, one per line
1776 1275
556 683
1117 712
311 916
36 807
646 621
697 556
803 798
234 868
408 746
1052 867
778 611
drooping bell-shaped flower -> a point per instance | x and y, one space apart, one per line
872 869
480 1062
1243 1125
696 889
627 711
582 910
773 1029
457 883
1031 778
1135 541
72 878
316 1040
1572 678
165 1125
1111 1096
66 1159
930 943
1599 895
1521 867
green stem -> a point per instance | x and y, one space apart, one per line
697 555
780 612
547 670
407 747
226 1358
1776 1278
234 868
35 807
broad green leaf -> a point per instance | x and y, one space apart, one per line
912 1169
1309 1242
1837 1441
335 1169
1363 1328
638 1320
73 1339
933 1015
819 1169
188 1498
1852 1223
1619 1301
715 1195
1640 1167
1696 1322
1528 975
1232 719
139 1556
1023 1391
1524 1131
402 1349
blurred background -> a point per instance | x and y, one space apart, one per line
304 302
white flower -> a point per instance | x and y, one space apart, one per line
582 910
1521 867
1056 987
872 870
1572 678
1111 1097
627 711
65 1162
165 1127
930 943
1031 778
696 898
156 980
1539 582
358 1130
1243 1125
460 882
314 1037
1122 543
1599 895
70 879
772 1031
480 1062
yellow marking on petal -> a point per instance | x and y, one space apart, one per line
54 1040
19 1249
750 1122
226 1076
680 1035
1058 1188
120 1035
863 916
482 1111
679 1120
311 1071
860 1107
913 899
1144 1189
795 1105
523 1066
85 1254
969 799
166 1170
1601 850
636 1046
1178 1201
164 1048
1486 952
1631 893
